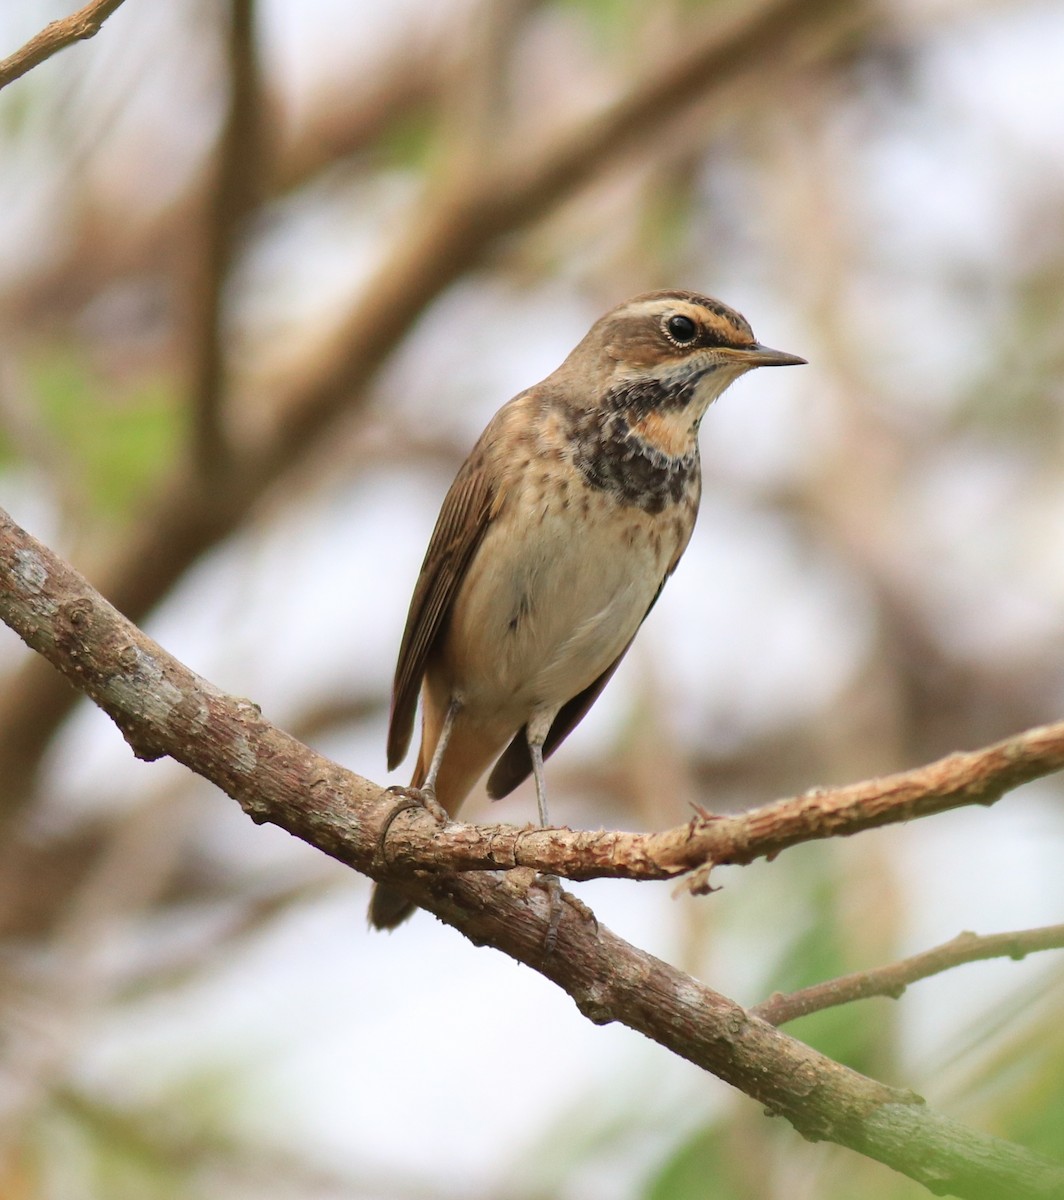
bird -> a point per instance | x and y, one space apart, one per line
552 546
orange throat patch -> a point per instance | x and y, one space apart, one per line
671 433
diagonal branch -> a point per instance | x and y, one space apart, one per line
162 707
892 980
85 23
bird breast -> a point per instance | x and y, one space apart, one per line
556 590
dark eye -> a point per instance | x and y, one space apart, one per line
681 329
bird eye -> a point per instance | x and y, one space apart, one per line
681 330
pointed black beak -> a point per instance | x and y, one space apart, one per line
762 356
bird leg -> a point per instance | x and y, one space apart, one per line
536 736
453 709
426 794
535 749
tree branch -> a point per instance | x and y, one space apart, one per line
892 980
708 840
85 23
162 707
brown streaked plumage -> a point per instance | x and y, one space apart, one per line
552 545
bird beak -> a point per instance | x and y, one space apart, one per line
761 356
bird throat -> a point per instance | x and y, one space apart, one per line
640 443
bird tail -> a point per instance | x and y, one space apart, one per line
388 907
469 754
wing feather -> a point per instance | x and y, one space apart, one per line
466 513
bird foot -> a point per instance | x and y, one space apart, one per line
520 879
422 797
411 798
558 898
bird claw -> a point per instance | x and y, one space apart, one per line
520 881
556 898
409 798
422 797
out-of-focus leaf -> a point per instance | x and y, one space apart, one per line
408 141
700 1166
97 1158
120 438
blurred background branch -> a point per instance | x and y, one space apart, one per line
232 197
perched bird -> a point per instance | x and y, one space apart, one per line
552 545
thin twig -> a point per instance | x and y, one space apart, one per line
85 23
893 979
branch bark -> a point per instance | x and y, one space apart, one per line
56 36
161 707
706 841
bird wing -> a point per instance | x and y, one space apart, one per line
467 511
515 763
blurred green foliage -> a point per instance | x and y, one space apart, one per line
700 1162
113 440
411 141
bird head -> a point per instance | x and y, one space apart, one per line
673 350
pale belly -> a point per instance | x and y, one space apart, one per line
544 611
